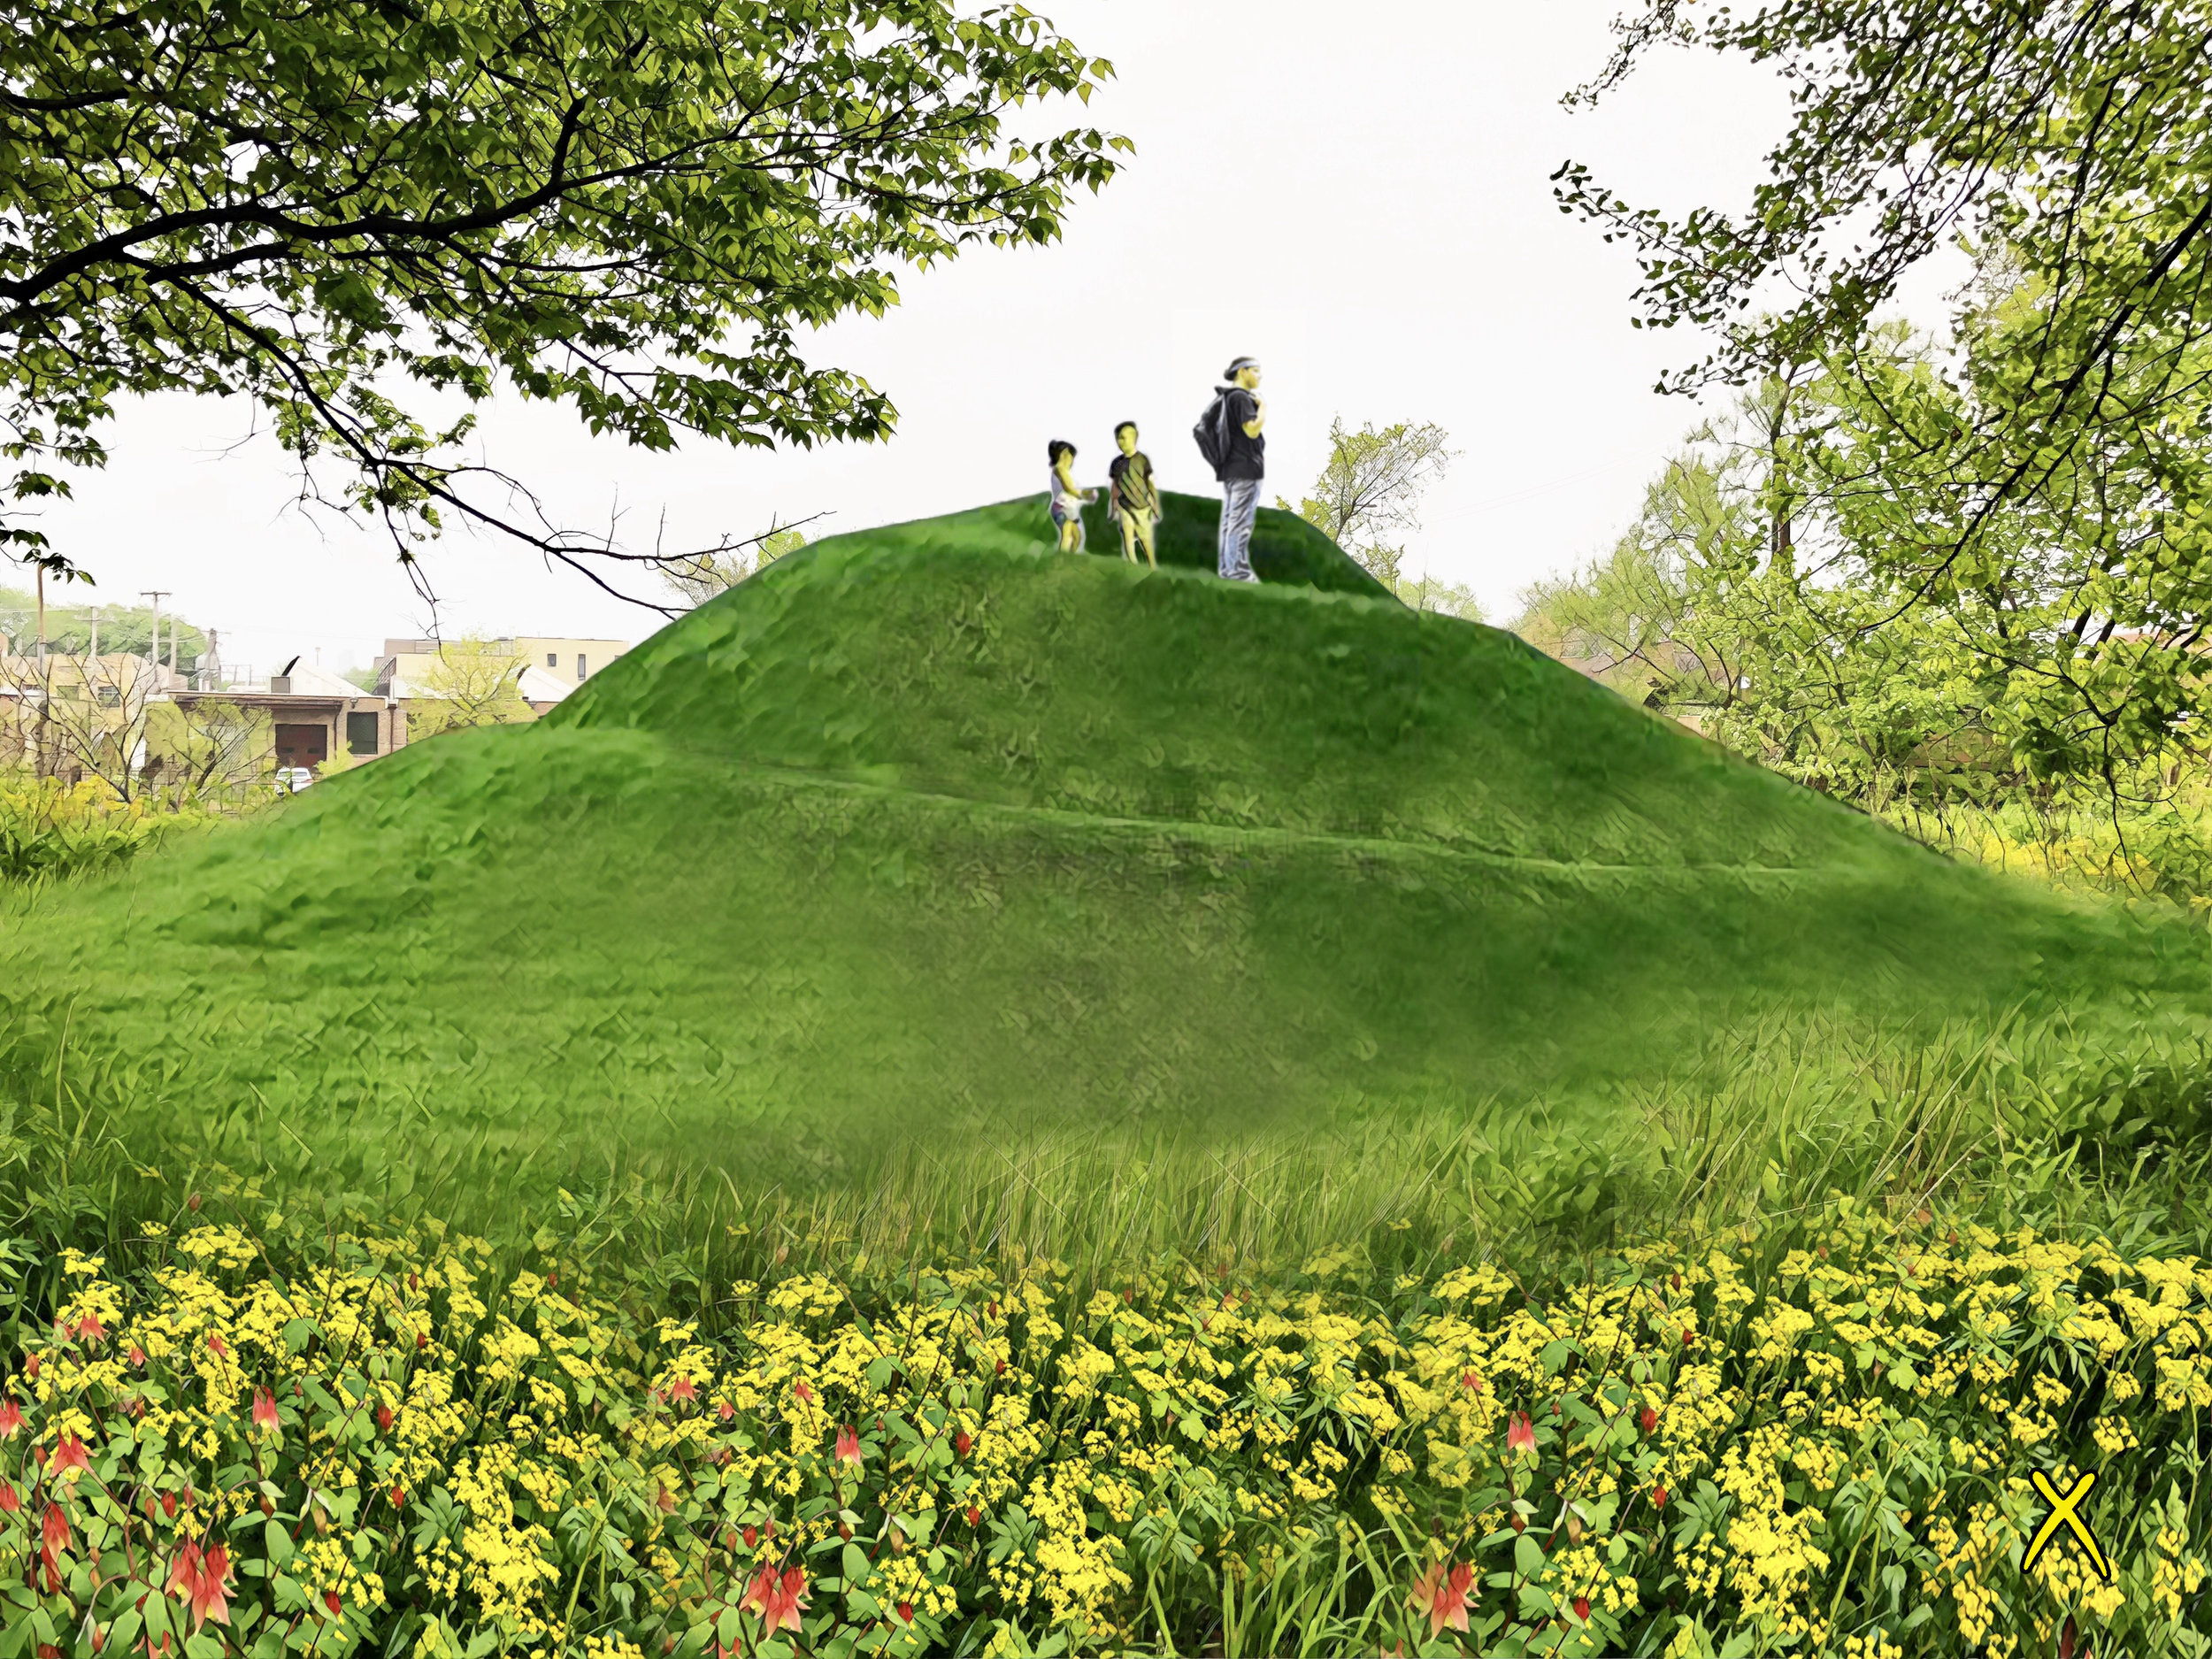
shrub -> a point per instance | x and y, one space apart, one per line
284 1444
48 828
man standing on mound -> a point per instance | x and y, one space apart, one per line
1239 457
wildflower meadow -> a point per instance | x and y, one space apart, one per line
273 1438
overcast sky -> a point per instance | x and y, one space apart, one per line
1359 196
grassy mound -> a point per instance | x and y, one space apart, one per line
928 835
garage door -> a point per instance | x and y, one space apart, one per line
302 745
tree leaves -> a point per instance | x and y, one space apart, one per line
630 206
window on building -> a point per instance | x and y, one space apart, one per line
361 734
579 664
552 659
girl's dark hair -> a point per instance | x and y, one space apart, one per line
1127 426
1052 450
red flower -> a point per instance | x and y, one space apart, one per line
211 1594
847 1445
384 1420
184 1572
216 1346
422 1339
330 1601
778 1600
169 1506
265 1411
684 1390
10 1419
47 1650
803 1391
399 1497
30 1366
1001 1369
1520 1435
90 1330
962 1442
1650 1420
1443 1596
1582 1609
1658 1497
138 1356
71 1455
729 1411
9 1502
751 1535
1689 1338
211 1598
906 1612
975 1515
553 1280
1470 1382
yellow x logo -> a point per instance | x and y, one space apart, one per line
2063 1513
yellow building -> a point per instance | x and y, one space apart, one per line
570 661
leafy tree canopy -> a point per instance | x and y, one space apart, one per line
2070 134
629 206
2040 484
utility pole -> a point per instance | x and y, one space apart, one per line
153 645
92 617
44 768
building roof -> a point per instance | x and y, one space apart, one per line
539 686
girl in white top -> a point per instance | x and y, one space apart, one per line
1067 501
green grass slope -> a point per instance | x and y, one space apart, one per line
929 832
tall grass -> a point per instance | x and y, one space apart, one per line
2022 1121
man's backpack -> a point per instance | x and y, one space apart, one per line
1212 431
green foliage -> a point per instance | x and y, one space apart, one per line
49 829
1446 599
1370 488
1764 596
634 208
69 628
470 682
2041 493
698 577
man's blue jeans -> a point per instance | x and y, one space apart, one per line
1240 505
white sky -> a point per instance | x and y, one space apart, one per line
1359 196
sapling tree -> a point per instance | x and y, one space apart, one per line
695 578
470 683
1369 495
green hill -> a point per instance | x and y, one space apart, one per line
929 831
